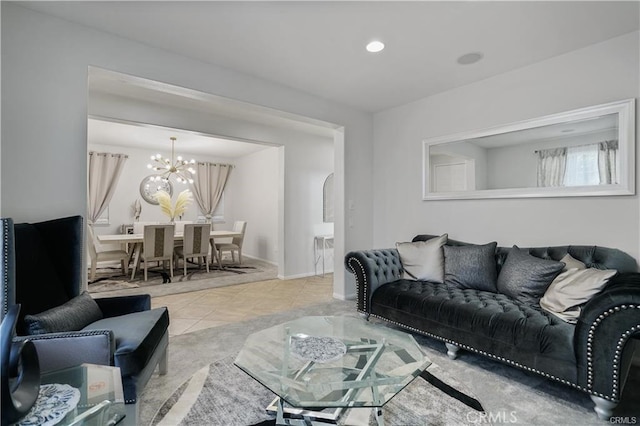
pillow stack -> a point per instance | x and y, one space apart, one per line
559 287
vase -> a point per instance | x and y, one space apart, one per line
20 382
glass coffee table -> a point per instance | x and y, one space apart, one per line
319 363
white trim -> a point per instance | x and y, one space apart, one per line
296 276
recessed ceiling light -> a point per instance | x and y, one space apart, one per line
375 46
470 58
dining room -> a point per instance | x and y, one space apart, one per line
250 197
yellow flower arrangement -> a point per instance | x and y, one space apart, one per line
183 201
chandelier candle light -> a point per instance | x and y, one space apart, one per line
181 168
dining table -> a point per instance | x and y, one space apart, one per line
137 240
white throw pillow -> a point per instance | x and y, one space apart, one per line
423 260
573 288
571 262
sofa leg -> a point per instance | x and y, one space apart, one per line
452 350
604 407
163 365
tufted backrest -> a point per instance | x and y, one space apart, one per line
592 256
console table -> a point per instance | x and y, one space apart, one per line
320 244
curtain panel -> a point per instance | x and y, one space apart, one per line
608 162
551 166
104 172
209 184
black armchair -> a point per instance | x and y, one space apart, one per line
42 270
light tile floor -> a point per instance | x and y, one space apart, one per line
223 305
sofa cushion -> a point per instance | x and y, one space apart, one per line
525 277
488 320
573 288
136 335
472 266
423 260
77 313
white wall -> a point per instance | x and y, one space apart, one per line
253 196
44 121
597 74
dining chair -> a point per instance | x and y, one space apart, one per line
98 255
195 244
157 245
235 244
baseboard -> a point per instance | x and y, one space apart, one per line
295 277
260 259
344 297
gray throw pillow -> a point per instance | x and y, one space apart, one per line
74 315
472 266
525 278
423 260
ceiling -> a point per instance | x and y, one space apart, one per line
156 140
318 47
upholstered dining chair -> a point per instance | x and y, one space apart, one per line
98 255
195 244
157 245
235 245
42 269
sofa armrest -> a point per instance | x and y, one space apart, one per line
122 305
68 349
373 268
605 336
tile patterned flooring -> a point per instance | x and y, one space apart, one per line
223 305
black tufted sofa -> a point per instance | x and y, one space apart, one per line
593 355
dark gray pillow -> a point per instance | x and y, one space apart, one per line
74 315
525 277
471 266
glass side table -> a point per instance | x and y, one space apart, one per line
101 395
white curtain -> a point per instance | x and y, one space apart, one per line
551 166
104 172
608 162
208 186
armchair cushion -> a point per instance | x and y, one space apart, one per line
77 313
33 258
122 305
137 335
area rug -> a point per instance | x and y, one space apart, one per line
507 394
112 282
221 393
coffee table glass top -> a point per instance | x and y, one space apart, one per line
335 361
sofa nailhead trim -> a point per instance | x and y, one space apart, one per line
616 357
469 348
364 289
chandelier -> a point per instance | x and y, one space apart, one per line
180 168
